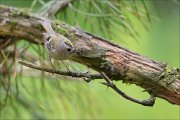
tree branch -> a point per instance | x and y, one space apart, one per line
66 73
97 53
149 102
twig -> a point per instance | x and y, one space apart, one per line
109 83
66 73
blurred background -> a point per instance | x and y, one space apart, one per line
148 27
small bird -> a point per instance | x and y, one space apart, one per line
58 46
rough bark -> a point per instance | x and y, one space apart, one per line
101 55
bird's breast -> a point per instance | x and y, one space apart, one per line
57 55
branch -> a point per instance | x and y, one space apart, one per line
97 53
66 73
149 102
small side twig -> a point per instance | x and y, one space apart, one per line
109 83
66 73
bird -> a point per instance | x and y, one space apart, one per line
58 46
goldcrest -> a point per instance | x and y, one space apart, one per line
58 46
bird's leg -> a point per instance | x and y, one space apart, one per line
66 66
51 64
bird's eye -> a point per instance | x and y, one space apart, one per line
69 49
48 38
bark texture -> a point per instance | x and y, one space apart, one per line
101 55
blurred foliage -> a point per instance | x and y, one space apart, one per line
148 27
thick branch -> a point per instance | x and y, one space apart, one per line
116 62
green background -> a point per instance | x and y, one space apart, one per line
55 98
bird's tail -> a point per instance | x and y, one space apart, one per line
47 26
